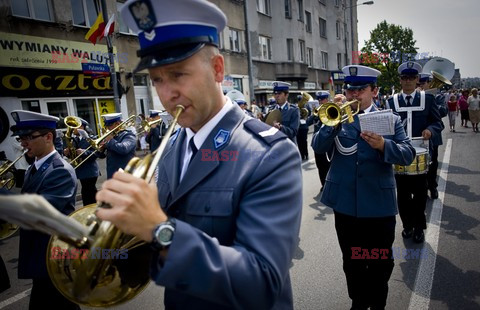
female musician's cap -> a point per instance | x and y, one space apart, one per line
28 122
281 86
409 68
425 77
358 77
111 118
154 113
321 94
170 31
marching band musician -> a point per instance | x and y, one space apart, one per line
243 105
53 178
88 171
290 113
119 146
321 160
154 136
360 187
420 115
223 232
440 100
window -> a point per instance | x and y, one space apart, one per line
288 8
263 6
337 3
265 48
35 9
140 80
122 26
290 49
338 30
31 105
221 43
302 50
310 56
85 12
237 84
323 27
234 38
308 21
324 60
339 61
300 10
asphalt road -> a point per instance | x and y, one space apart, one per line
447 276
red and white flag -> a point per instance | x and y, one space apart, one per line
109 27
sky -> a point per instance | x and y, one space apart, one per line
444 28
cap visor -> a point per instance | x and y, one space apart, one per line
166 56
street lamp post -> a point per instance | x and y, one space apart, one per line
345 22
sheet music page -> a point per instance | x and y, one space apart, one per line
380 122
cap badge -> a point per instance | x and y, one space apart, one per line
353 71
409 65
221 138
143 14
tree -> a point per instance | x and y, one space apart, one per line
389 45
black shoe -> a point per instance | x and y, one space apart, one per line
418 236
434 193
407 233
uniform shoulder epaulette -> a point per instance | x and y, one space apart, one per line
265 132
57 162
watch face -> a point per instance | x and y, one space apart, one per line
165 234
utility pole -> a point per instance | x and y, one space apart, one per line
111 57
249 50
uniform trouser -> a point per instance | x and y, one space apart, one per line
4 279
432 170
44 295
367 277
323 165
89 190
412 200
302 142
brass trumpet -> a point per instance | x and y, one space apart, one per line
96 143
97 281
147 126
331 114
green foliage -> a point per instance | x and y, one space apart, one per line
389 45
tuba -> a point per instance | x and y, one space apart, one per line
442 71
72 123
331 114
98 276
96 144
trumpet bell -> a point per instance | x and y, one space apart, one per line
332 114
7 229
442 71
305 98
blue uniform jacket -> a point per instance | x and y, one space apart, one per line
56 182
120 150
290 121
154 137
89 169
429 118
238 211
362 184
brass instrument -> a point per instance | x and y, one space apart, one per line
72 123
7 176
97 282
96 143
331 114
442 71
275 116
7 180
147 126
305 98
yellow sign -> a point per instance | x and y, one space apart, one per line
21 51
105 106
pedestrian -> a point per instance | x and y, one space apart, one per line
452 111
419 113
290 113
474 109
360 188
463 106
223 230
53 178
119 145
